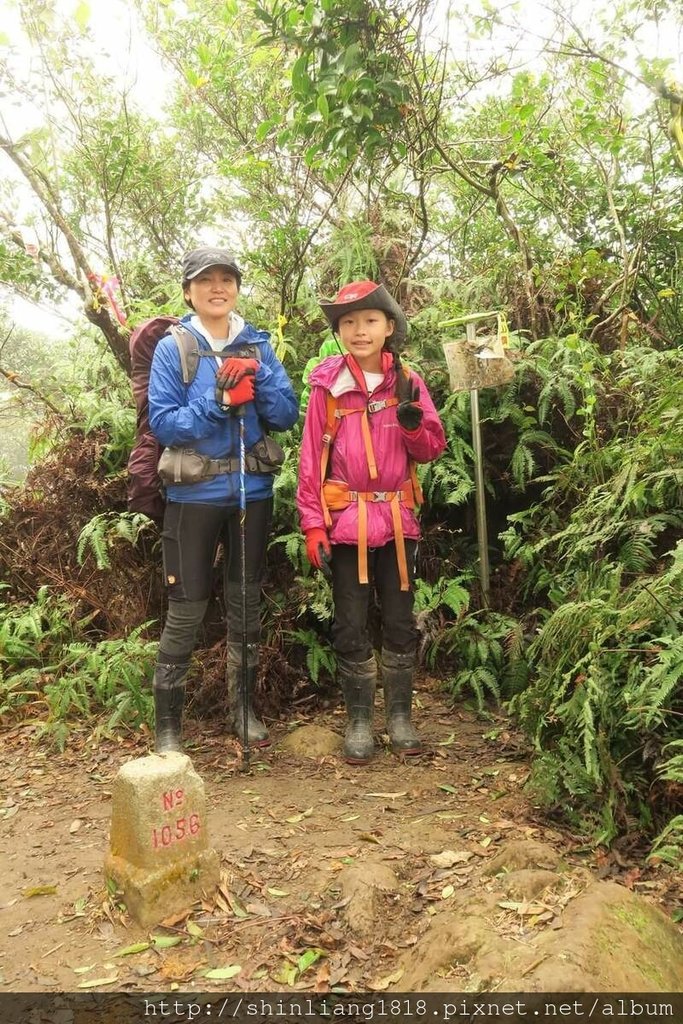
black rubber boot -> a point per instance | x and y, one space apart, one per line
257 732
169 699
397 680
358 680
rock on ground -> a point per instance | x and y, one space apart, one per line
312 741
566 933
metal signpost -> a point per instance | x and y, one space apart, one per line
476 362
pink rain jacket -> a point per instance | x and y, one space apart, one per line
393 447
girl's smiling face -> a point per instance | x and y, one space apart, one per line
363 333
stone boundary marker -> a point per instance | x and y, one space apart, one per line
159 854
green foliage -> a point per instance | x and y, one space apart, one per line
319 655
448 592
102 532
348 86
488 653
450 480
668 846
28 634
45 667
608 667
111 677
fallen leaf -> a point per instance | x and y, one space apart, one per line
381 984
222 973
298 817
486 842
308 958
39 890
277 892
258 909
322 978
523 909
83 970
166 941
175 919
388 796
447 789
94 982
448 858
75 825
236 906
447 891
137 947
286 974
369 838
547 915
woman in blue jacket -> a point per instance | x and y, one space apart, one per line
197 424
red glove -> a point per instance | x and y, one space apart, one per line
318 549
237 395
233 369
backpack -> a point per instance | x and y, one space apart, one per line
144 486
145 493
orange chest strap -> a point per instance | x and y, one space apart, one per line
333 422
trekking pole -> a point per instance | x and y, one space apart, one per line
479 486
241 410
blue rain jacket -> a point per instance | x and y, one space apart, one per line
189 416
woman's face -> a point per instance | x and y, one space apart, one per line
213 294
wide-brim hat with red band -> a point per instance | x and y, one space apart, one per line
368 295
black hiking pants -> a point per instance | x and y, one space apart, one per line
350 635
190 537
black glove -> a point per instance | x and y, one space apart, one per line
408 413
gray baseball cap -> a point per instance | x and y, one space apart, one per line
198 260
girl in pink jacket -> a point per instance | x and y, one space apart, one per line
368 422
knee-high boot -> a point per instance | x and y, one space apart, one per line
358 680
397 679
169 699
258 734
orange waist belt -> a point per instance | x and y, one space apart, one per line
337 496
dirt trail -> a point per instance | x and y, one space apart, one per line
291 836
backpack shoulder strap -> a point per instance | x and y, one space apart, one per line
188 350
412 465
